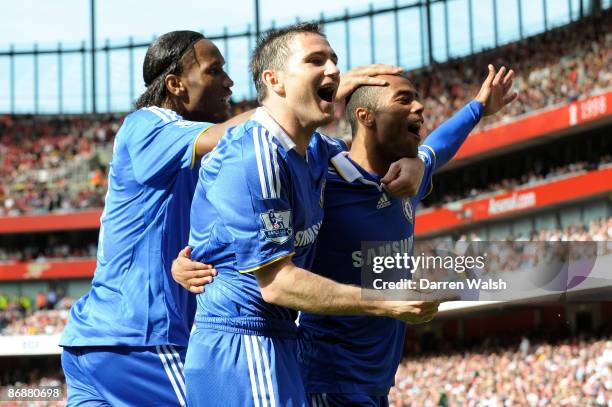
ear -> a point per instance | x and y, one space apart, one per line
273 81
174 84
365 116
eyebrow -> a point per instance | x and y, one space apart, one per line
332 55
410 93
217 62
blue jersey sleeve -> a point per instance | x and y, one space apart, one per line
160 143
428 156
334 145
446 140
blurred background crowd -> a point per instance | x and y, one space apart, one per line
59 164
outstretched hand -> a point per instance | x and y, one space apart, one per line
364 75
495 92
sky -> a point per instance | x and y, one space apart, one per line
49 22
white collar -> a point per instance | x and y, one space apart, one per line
345 167
263 117
348 170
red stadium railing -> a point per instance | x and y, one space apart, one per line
51 222
66 269
527 198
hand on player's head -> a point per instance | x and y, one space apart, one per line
364 75
495 91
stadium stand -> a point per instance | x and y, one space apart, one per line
51 164
556 67
56 165
571 372
47 312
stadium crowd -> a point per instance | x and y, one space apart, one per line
35 378
46 314
570 372
534 176
53 249
575 372
38 155
559 66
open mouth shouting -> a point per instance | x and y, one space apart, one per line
226 99
415 128
327 92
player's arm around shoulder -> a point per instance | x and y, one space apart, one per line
207 141
404 177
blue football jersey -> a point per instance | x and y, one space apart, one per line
133 300
257 201
356 354
360 355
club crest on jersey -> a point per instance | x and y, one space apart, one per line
383 201
277 226
408 213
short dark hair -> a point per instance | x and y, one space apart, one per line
364 96
272 51
169 54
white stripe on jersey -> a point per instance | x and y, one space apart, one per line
433 153
262 176
276 168
269 176
267 163
173 115
264 356
158 113
176 388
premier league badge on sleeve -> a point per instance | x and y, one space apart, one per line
277 226
408 213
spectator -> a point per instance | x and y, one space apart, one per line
41 300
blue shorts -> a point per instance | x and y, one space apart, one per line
124 376
229 369
346 400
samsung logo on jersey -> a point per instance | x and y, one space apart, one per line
387 249
308 236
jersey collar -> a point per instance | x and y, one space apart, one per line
349 172
345 168
262 117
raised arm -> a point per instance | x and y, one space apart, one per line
494 94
